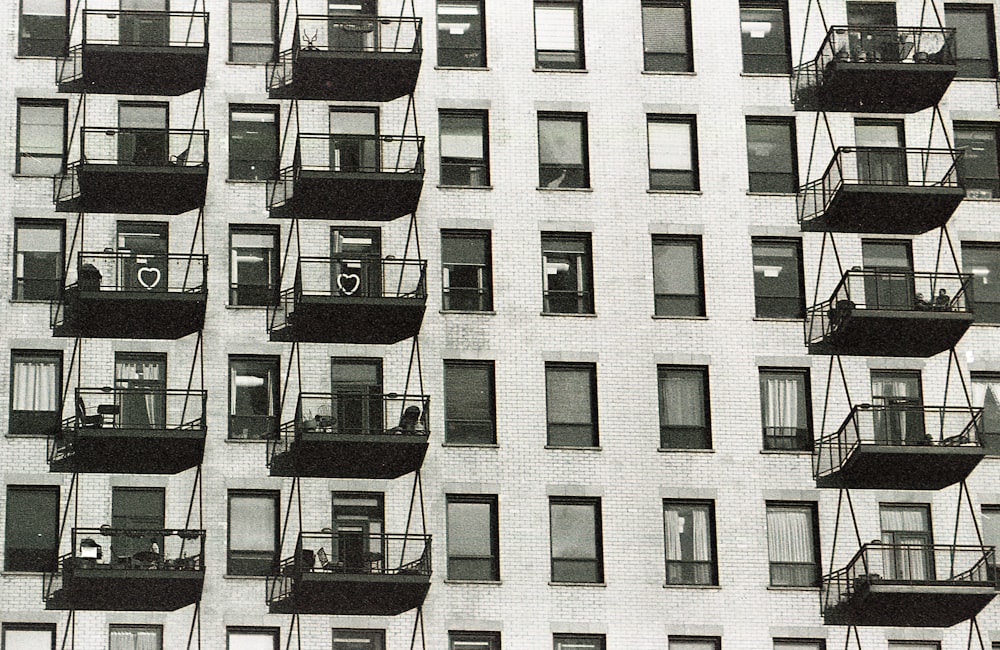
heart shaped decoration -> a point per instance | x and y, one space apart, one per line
345 280
154 277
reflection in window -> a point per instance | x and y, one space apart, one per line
684 416
673 152
253 266
253 533
253 143
764 30
986 395
777 278
978 168
975 39
567 274
473 641
473 538
677 276
578 641
461 36
558 34
252 27
771 155
464 148
44 28
466 263
571 404
31 538
689 529
41 137
470 417
253 397
562 150
666 35
346 639
982 260
38 263
28 636
576 540
248 638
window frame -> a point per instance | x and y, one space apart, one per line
275 404
782 642
793 159
483 163
658 181
581 172
274 271
15 626
23 102
275 36
51 563
373 633
136 627
551 438
231 567
990 436
492 639
978 307
22 40
803 436
661 371
261 109
776 5
994 182
713 561
688 65
595 504
14 428
693 241
599 640
490 367
579 62
46 224
813 509
490 500
714 640
273 632
485 289
584 294
772 312
986 10
481 60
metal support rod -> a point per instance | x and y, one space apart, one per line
964 487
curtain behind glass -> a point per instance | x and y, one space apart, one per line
780 396
35 385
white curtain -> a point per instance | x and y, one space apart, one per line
672 524
251 523
670 145
555 28
27 639
146 371
135 640
790 535
35 385
681 400
904 519
781 406
688 527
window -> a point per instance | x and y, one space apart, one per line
465 148
677 276
28 636
771 155
785 409
563 158
799 644
253 533
986 395
567 274
469 403
250 638
673 152
38 264
473 538
35 392
345 639
907 527
136 637
684 413
578 641
41 136
983 262
473 641
32 532
991 528
253 270
461 35
253 142
764 30
975 40
914 645
466 263
693 643
666 36
978 168
44 28
779 291
571 404
791 544
558 35
252 28
576 540
689 533
253 397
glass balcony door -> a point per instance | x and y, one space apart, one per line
357 267
907 528
137 509
355 33
144 406
142 256
889 277
872 45
143 138
901 421
356 385
358 521
354 144
881 157
147 29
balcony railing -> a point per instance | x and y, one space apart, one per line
129 271
353 413
133 147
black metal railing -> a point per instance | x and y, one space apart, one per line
129 271
876 290
879 167
896 425
140 147
161 549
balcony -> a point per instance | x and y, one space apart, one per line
129 295
910 585
883 190
131 431
900 446
891 314
129 569
877 69
351 300
352 435
368 59
352 574
137 171
137 53
351 178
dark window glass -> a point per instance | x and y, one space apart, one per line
991 528
253 397
892 288
986 394
684 413
791 544
571 404
975 39
777 278
577 555
799 644
673 152
252 28
44 28
253 533
28 636
771 155
470 403
38 259
136 637
31 539
786 409
764 29
347 639
567 274
978 168
563 159
578 641
253 271
35 392
473 641
880 157
253 143
689 533
559 34
461 36
983 262
464 148
41 137
666 35
473 538
252 638
466 263
677 276
693 643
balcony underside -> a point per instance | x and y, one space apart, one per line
131 314
138 189
351 456
895 467
911 605
350 76
897 209
352 320
352 196
878 87
132 451
354 594
139 70
886 333
103 588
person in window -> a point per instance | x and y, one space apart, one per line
921 303
942 302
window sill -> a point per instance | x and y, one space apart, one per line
981 199
232 576
791 588
468 312
561 448
561 70
23 574
991 80
974 324
565 189
465 187
788 194
678 450
24 301
658 317
462 67
787 452
244 441
765 319
25 436
670 73
246 64
687 192
241 307
240 181
567 315
470 445
669 585
601 585
17 175
495 583
767 75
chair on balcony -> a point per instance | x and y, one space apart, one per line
180 159
94 421
408 421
